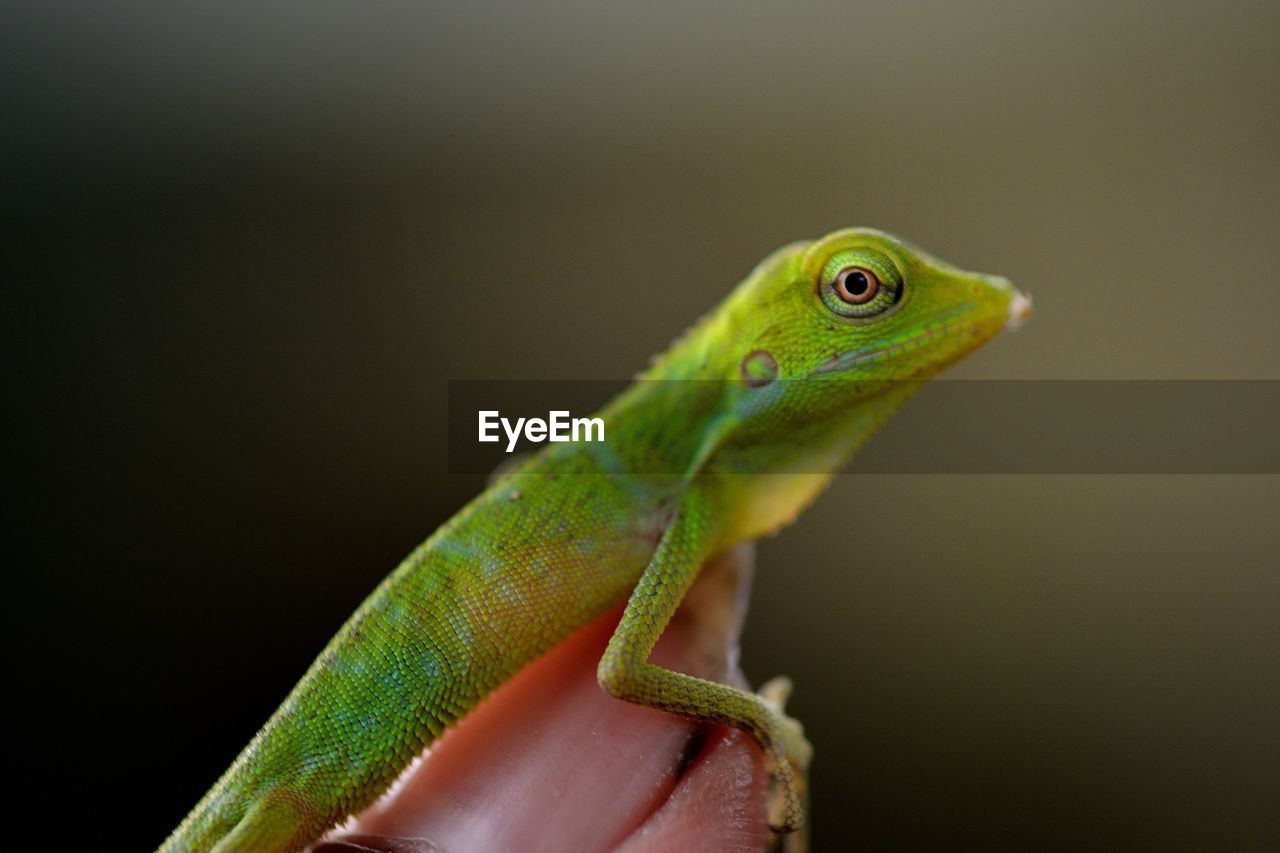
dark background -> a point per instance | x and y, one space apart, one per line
251 246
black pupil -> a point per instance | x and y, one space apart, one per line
856 283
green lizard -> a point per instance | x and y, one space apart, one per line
809 355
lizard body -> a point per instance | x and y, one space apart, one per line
725 438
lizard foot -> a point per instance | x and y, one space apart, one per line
791 761
799 751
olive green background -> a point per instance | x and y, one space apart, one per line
252 245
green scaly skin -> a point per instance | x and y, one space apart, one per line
802 379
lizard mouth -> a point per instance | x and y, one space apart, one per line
947 326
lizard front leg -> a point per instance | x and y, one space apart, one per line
625 671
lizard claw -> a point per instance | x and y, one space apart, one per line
775 693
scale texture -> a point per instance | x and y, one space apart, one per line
726 437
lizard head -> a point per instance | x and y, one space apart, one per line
819 346
825 339
860 305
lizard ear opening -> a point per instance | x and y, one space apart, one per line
758 368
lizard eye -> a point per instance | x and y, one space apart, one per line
856 285
860 285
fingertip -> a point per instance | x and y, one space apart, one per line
719 803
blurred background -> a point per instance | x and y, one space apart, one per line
250 246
